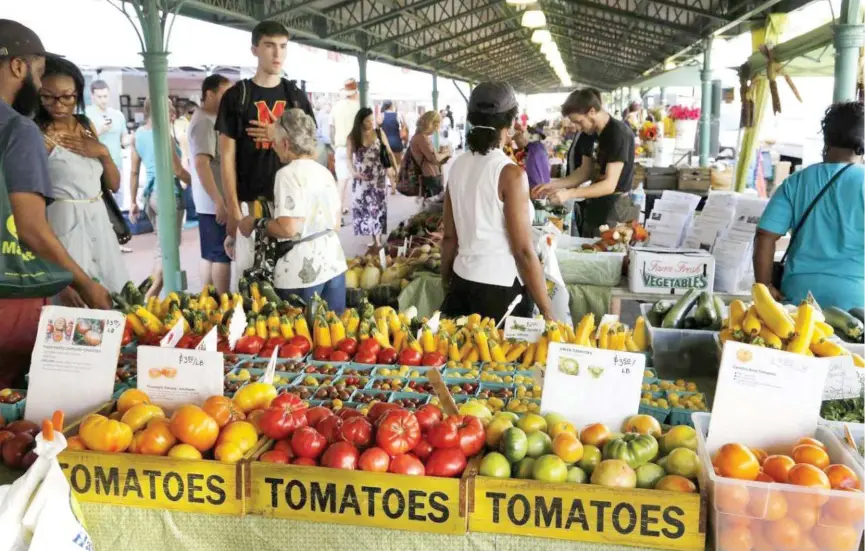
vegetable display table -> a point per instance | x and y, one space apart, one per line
622 292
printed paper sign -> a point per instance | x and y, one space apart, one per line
209 342
173 336
844 379
173 377
74 361
765 398
592 385
524 329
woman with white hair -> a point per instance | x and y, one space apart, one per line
307 211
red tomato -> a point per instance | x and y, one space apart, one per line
340 455
286 413
347 345
364 357
249 345
273 342
374 460
427 416
266 353
307 442
465 432
347 413
317 414
301 342
409 357
356 431
450 462
305 461
222 346
369 345
378 409
275 456
291 352
329 428
433 359
386 356
398 432
422 450
127 335
284 446
339 356
407 464
321 353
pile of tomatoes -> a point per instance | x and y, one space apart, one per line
824 511
388 439
295 348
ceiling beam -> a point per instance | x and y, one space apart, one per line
471 55
583 34
581 17
290 9
696 11
445 40
434 25
442 54
383 18
631 16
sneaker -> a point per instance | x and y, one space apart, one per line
125 249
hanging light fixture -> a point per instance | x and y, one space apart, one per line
548 47
533 19
542 36
520 2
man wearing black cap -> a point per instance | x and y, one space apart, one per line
24 164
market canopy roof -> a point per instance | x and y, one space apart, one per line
811 54
605 43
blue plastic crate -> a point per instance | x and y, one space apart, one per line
513 366
14 412
653 379
424 398
495 387
317 363
458 373
422 371
300 379
381 395
402 380
378 368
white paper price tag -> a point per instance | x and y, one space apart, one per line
400 252
172 377
270 372
511 306
433 325
74 361
844 380
592 385
236 326
524 329
209 342
171 338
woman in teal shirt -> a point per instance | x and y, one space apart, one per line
827 257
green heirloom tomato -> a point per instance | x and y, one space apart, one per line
632 448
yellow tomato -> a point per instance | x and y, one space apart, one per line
156 439
139 415
131 397
184 451
102 434
228 452
241 433
254 396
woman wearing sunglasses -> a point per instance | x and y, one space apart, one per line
78 164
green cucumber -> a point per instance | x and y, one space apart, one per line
690 323
662 307
858 313
843 323
676 316
719 312
655 319
121 302
268 292
705 313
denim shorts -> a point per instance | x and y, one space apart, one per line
212 237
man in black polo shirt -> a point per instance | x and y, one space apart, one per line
606 146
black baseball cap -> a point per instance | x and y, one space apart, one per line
492 98
17 40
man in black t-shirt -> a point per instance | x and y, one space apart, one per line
246 117
606 146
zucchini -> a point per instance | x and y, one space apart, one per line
128 292
858 313
719 312
690 323
662 307
120 302
675 317
145 285
705 314
843 323
655 319
243 288
268 292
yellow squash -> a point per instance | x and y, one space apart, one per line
771 312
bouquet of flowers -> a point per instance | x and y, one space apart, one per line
649 132
682 113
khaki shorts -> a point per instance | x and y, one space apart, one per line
152 212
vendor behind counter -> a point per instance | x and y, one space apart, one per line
606 147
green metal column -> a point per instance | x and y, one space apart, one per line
435 100
663 100
849 37
363 85
706 105
156 63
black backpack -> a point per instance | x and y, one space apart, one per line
296 98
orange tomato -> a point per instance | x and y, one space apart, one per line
242 433
811 441
805 516
836 538
184 451
736 538
767 505
222 410
731 498
228 452
102 434
812 455
737 461
784 534
643 424
809 476
191 425
75 443
778 467
731 521
595 435
763 477
253 416
156 439
676 483
847 509
807 543
760 454
139 415
131 397
567 447
842 477
758 533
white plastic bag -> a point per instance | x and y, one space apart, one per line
556 288
244 249
38 511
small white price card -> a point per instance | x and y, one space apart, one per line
209 342
524 329
172 377
844 380
592 385
74 361
765 398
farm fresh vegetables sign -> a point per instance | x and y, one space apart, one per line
670 271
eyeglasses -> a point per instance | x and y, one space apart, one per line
65 99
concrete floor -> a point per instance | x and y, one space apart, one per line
139 263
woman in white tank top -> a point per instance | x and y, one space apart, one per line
488 257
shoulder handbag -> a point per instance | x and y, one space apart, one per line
22 273
383 153
778 267
408 181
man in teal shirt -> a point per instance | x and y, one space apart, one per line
827 255
110 125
